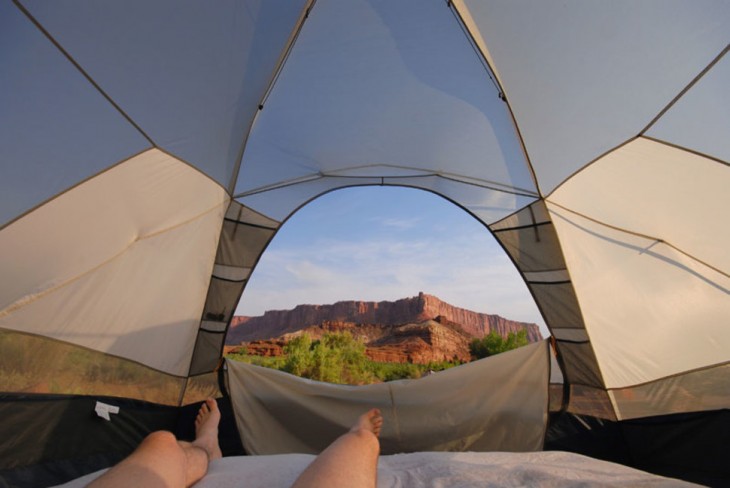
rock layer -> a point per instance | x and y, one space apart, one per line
411 310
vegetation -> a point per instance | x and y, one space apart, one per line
493 343
338 358
70 369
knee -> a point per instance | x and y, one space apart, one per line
161 441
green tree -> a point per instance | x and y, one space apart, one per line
493 343
336 358
299 356
353 364
516 339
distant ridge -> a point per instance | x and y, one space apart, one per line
276 323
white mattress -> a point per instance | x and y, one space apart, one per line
437 470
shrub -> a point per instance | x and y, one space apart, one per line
338 358
493 343
299 356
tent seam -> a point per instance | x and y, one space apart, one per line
685 149
28 299
687 88
238 162
83 72
488 185
675 375
500 88
641 133
656 240
78 184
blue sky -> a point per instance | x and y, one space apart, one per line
386 243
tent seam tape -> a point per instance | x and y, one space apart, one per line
502 92
303 15
76 185
28 299
384 180
83 72
685 149
684 90
424 173
656 240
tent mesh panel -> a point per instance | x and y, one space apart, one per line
580 364
244 237
201 387
701 390
558 304
33 364
585 400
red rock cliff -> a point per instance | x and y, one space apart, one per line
404 311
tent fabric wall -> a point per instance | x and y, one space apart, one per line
497 403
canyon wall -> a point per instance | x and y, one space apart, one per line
411 310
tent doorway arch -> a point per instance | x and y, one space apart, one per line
383 243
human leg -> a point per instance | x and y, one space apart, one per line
351 460
163 461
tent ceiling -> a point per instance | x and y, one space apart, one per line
55 130
383 89
190 76
584 77
699 119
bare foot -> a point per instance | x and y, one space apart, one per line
371 420
206 429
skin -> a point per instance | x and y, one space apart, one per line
161 461
351 460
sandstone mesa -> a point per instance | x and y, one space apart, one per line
418 329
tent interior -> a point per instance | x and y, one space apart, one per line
150 151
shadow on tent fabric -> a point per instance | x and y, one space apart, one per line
50 439
688 446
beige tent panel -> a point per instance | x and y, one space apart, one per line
641 298
659 191
147 305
